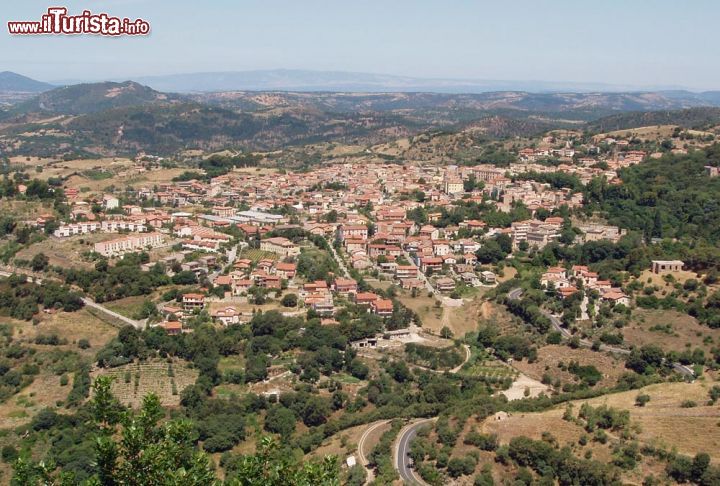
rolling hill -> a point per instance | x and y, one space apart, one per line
16 83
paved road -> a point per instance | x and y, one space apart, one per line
401 459
515 294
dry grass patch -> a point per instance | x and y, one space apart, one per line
550 356
66 252
44 392
684 330
71 326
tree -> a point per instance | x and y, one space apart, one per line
280 420
315 411
139 448
39 262
289 300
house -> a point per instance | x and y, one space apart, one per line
285 270
616 297
193 301
445 284
173 328
441 247
345 286
488 277
281 246
352 232
406 271
226 315
364 343
110 202
382 307
365 298
662 266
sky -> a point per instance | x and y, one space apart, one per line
643 43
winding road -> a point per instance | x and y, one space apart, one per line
401 458
364 461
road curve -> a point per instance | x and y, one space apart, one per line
401 459
361 446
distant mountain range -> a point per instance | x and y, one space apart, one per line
17 83
338 81
111 118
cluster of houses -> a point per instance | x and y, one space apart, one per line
566 284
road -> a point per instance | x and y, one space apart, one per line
515 294
361 448
401 459
230 254
339 261
468 355
423 277
136 324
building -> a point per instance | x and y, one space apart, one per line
454 186
353 232
129 244
382 307
662 266
67 230
281 246
226 315
110 202
193 301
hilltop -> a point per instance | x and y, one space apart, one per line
17 83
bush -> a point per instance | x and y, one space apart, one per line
9 454
486 442
642 400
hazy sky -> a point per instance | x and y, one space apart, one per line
627 42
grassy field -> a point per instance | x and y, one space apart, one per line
72 326
129 306
135 380
46 390
663 422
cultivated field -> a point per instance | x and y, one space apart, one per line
135 380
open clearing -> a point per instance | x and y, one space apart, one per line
685 330
663 421
549 357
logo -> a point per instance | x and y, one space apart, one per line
57 22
